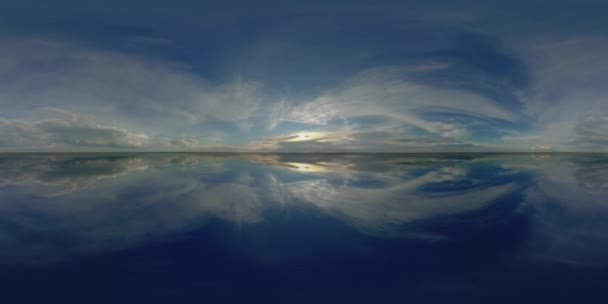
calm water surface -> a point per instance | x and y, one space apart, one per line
217 228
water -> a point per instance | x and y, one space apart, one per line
223 228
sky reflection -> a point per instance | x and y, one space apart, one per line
401 217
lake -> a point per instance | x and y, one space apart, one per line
306 228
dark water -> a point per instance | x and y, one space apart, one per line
201 228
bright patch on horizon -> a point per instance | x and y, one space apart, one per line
302 136
316 167
308 136
540 147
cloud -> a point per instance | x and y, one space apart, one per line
66 133
161 96
568 73
19 134
184 142
592 131
82 134
539 147
385 92
151 103
404 106
356 139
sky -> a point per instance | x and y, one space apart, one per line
304 76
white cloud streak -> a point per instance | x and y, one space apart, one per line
119 88
55 133
383 92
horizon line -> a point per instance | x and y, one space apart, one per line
249 152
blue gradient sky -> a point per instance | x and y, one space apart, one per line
303 76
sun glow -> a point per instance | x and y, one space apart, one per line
306 136
308 167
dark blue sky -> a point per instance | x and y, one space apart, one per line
303 76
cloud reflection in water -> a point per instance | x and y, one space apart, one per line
54 207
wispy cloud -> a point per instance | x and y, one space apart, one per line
160 96
385 92
58 133
427 104
592 131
